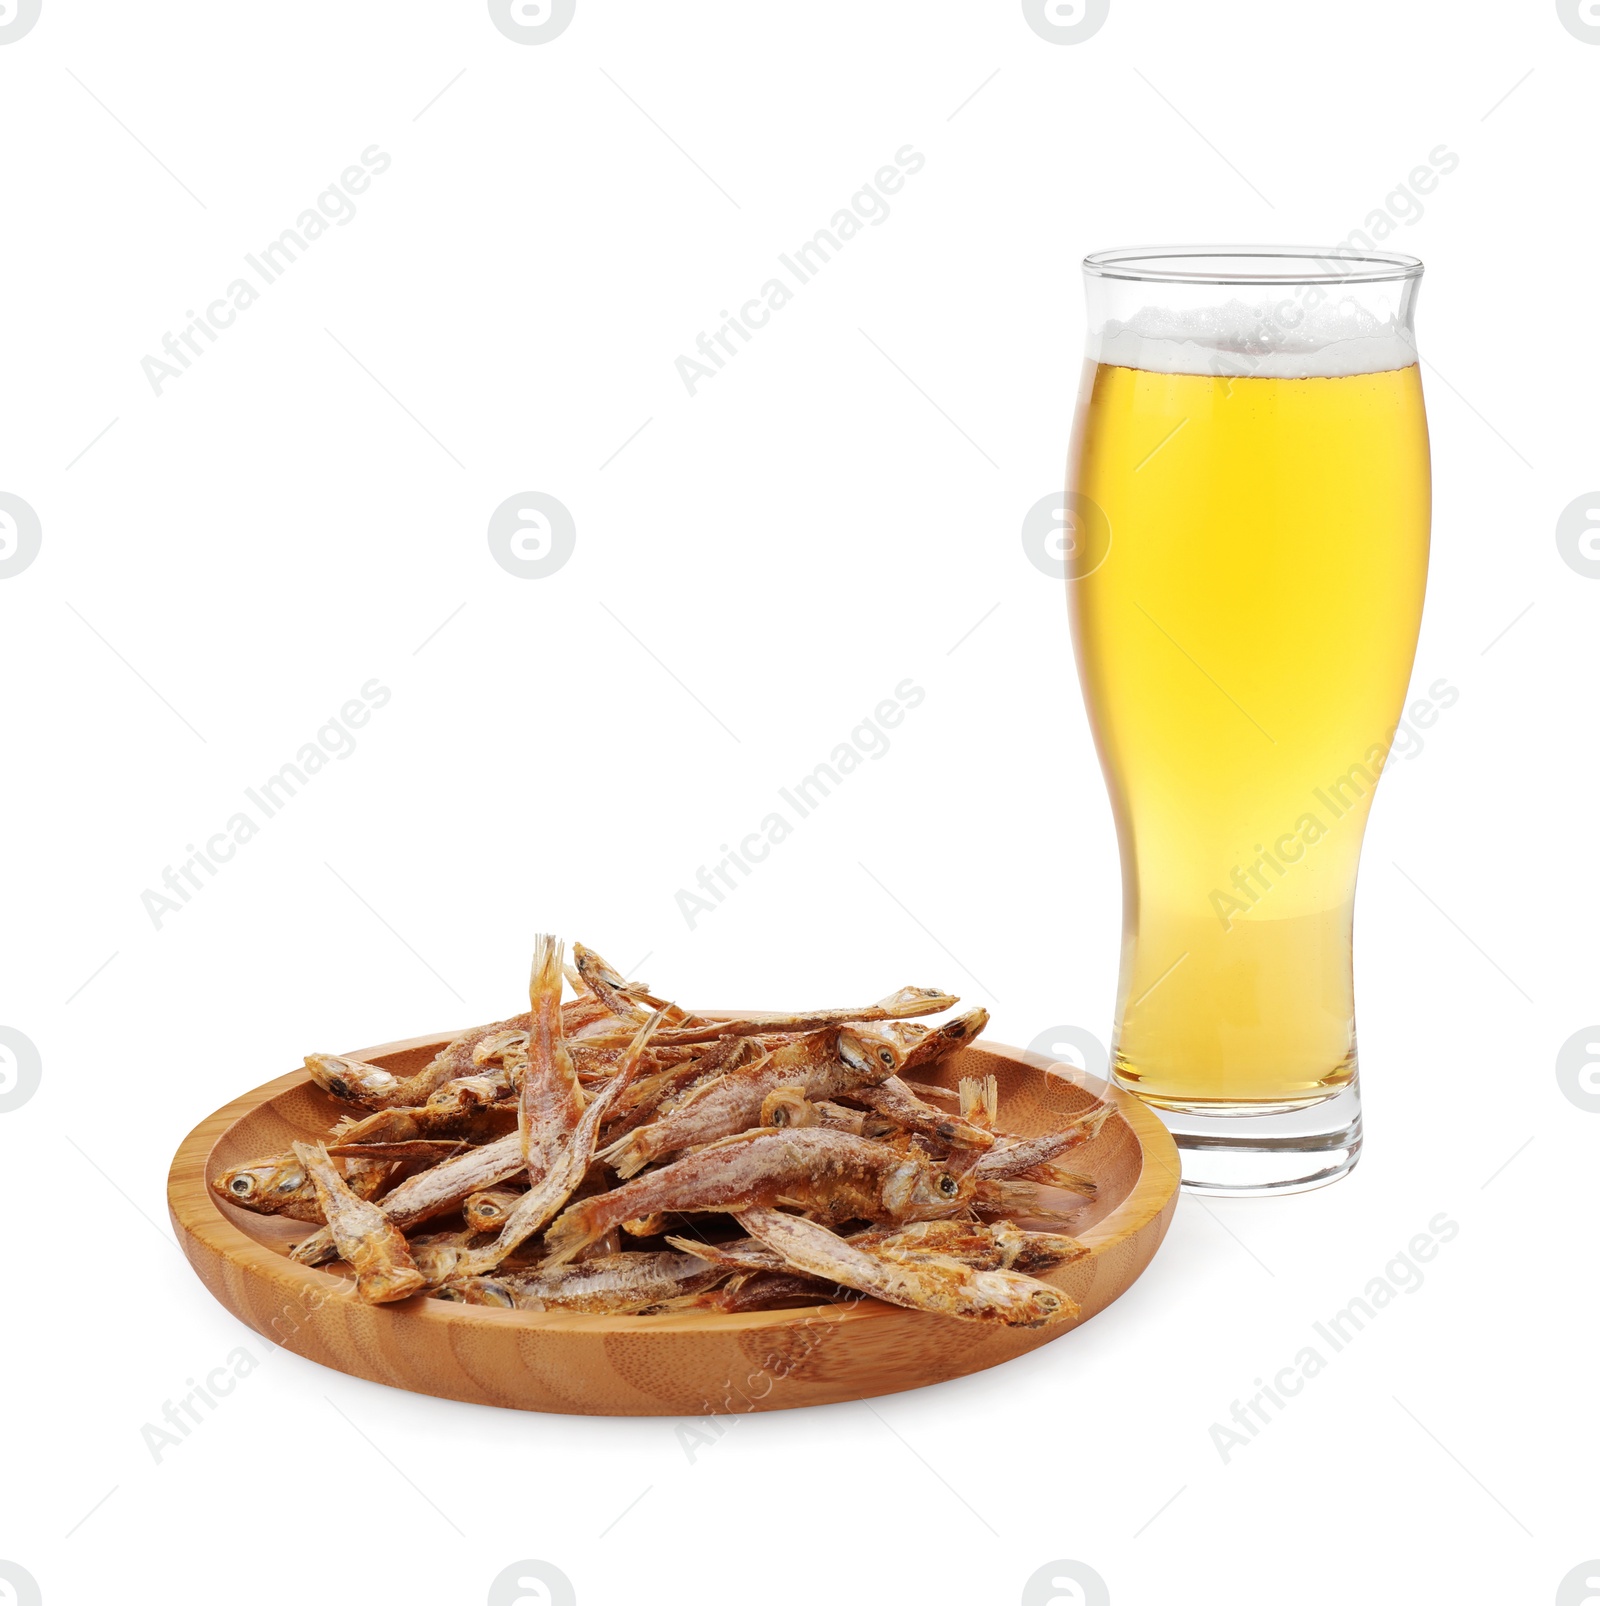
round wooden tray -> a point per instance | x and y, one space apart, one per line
678 1364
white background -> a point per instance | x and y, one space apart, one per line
756 567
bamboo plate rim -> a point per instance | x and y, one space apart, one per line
198 1216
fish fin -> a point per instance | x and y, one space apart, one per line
694 1246
701 1250
629 1155
632 1059
931 1090
695 1092
1054 1176
1095 1120
712 1253
971 1097
545 977
571 1232
614 1147
731 1139
980 1101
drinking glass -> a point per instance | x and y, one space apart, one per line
1247 518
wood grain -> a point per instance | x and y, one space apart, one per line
682 1363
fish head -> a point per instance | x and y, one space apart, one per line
486 1212
591 967
1021 1301
496 1046
965 1028
262 1184
788 1106
946 1039
351 1080
916 1001
480 1291
872 1050
1008 1238
921 1190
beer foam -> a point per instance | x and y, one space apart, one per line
1282 339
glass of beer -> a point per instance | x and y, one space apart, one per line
1247 540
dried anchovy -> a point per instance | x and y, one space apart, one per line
635 1118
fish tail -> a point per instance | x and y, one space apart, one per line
571 1232
971 1098
544 985
314 1156
1095 1120
1070 1181
631 1154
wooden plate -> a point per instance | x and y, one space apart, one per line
679 1364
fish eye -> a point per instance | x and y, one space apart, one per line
948 1185
885 1055
243 1186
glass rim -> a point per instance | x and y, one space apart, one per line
1207 264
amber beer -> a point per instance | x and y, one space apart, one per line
1245 609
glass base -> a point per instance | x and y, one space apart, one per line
1247 1153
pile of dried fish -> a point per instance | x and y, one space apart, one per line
756 1164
